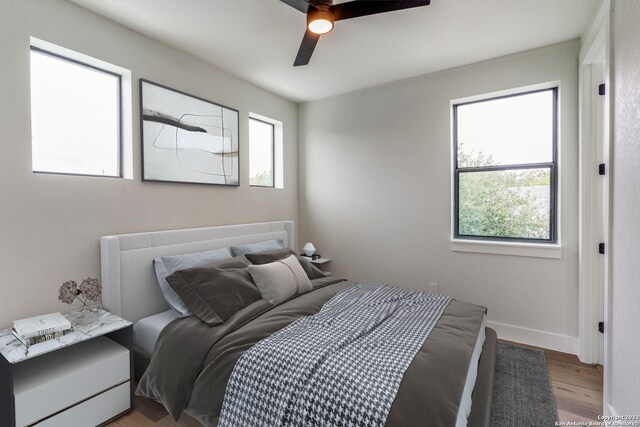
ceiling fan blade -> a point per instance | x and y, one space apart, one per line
309 42
301 5
355 9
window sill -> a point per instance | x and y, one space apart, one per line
536 250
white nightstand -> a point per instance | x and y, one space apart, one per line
321 263
81 379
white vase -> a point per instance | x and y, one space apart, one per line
84 312
308 249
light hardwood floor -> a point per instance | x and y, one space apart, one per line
577 388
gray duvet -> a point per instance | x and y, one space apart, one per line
193 362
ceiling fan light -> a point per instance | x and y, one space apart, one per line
320 21
320 26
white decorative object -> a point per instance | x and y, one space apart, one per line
84 300
308 249
186 138
41 325
84 312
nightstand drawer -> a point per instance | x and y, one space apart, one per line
49 383
94 411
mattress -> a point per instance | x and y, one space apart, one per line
147 330
472 374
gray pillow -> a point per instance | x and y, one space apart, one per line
278 281
267 245
215 291
167 265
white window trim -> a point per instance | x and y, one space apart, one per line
536 250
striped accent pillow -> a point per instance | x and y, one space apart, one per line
278 281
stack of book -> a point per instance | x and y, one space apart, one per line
39 329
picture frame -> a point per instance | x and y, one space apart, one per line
187 139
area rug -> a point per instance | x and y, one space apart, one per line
522 394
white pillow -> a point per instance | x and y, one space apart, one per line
165 266
280 280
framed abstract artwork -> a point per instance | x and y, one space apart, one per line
186 138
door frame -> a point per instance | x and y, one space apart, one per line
594 219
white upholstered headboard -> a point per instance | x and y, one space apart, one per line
129 285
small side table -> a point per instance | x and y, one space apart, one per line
83 378
321 263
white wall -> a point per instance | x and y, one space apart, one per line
375 193
623 332
50 225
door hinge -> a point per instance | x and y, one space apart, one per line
601 248
601 168
601 327
601 89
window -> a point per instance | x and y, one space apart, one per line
505 168
261 152
75 117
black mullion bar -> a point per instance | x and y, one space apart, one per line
502 238
456 196
547 166
456 175
273 155
120 131
553 226
553 201
506 167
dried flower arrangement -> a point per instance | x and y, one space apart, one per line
88 292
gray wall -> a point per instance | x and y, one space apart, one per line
625 240
375 192
50 225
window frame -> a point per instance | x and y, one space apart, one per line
273 153
552 166
120 143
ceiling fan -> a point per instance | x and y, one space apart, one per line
321 14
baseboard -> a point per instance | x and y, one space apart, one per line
549 340
610 411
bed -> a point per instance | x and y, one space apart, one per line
130 289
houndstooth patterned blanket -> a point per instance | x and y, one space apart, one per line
342 366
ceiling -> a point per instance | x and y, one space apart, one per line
257 40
